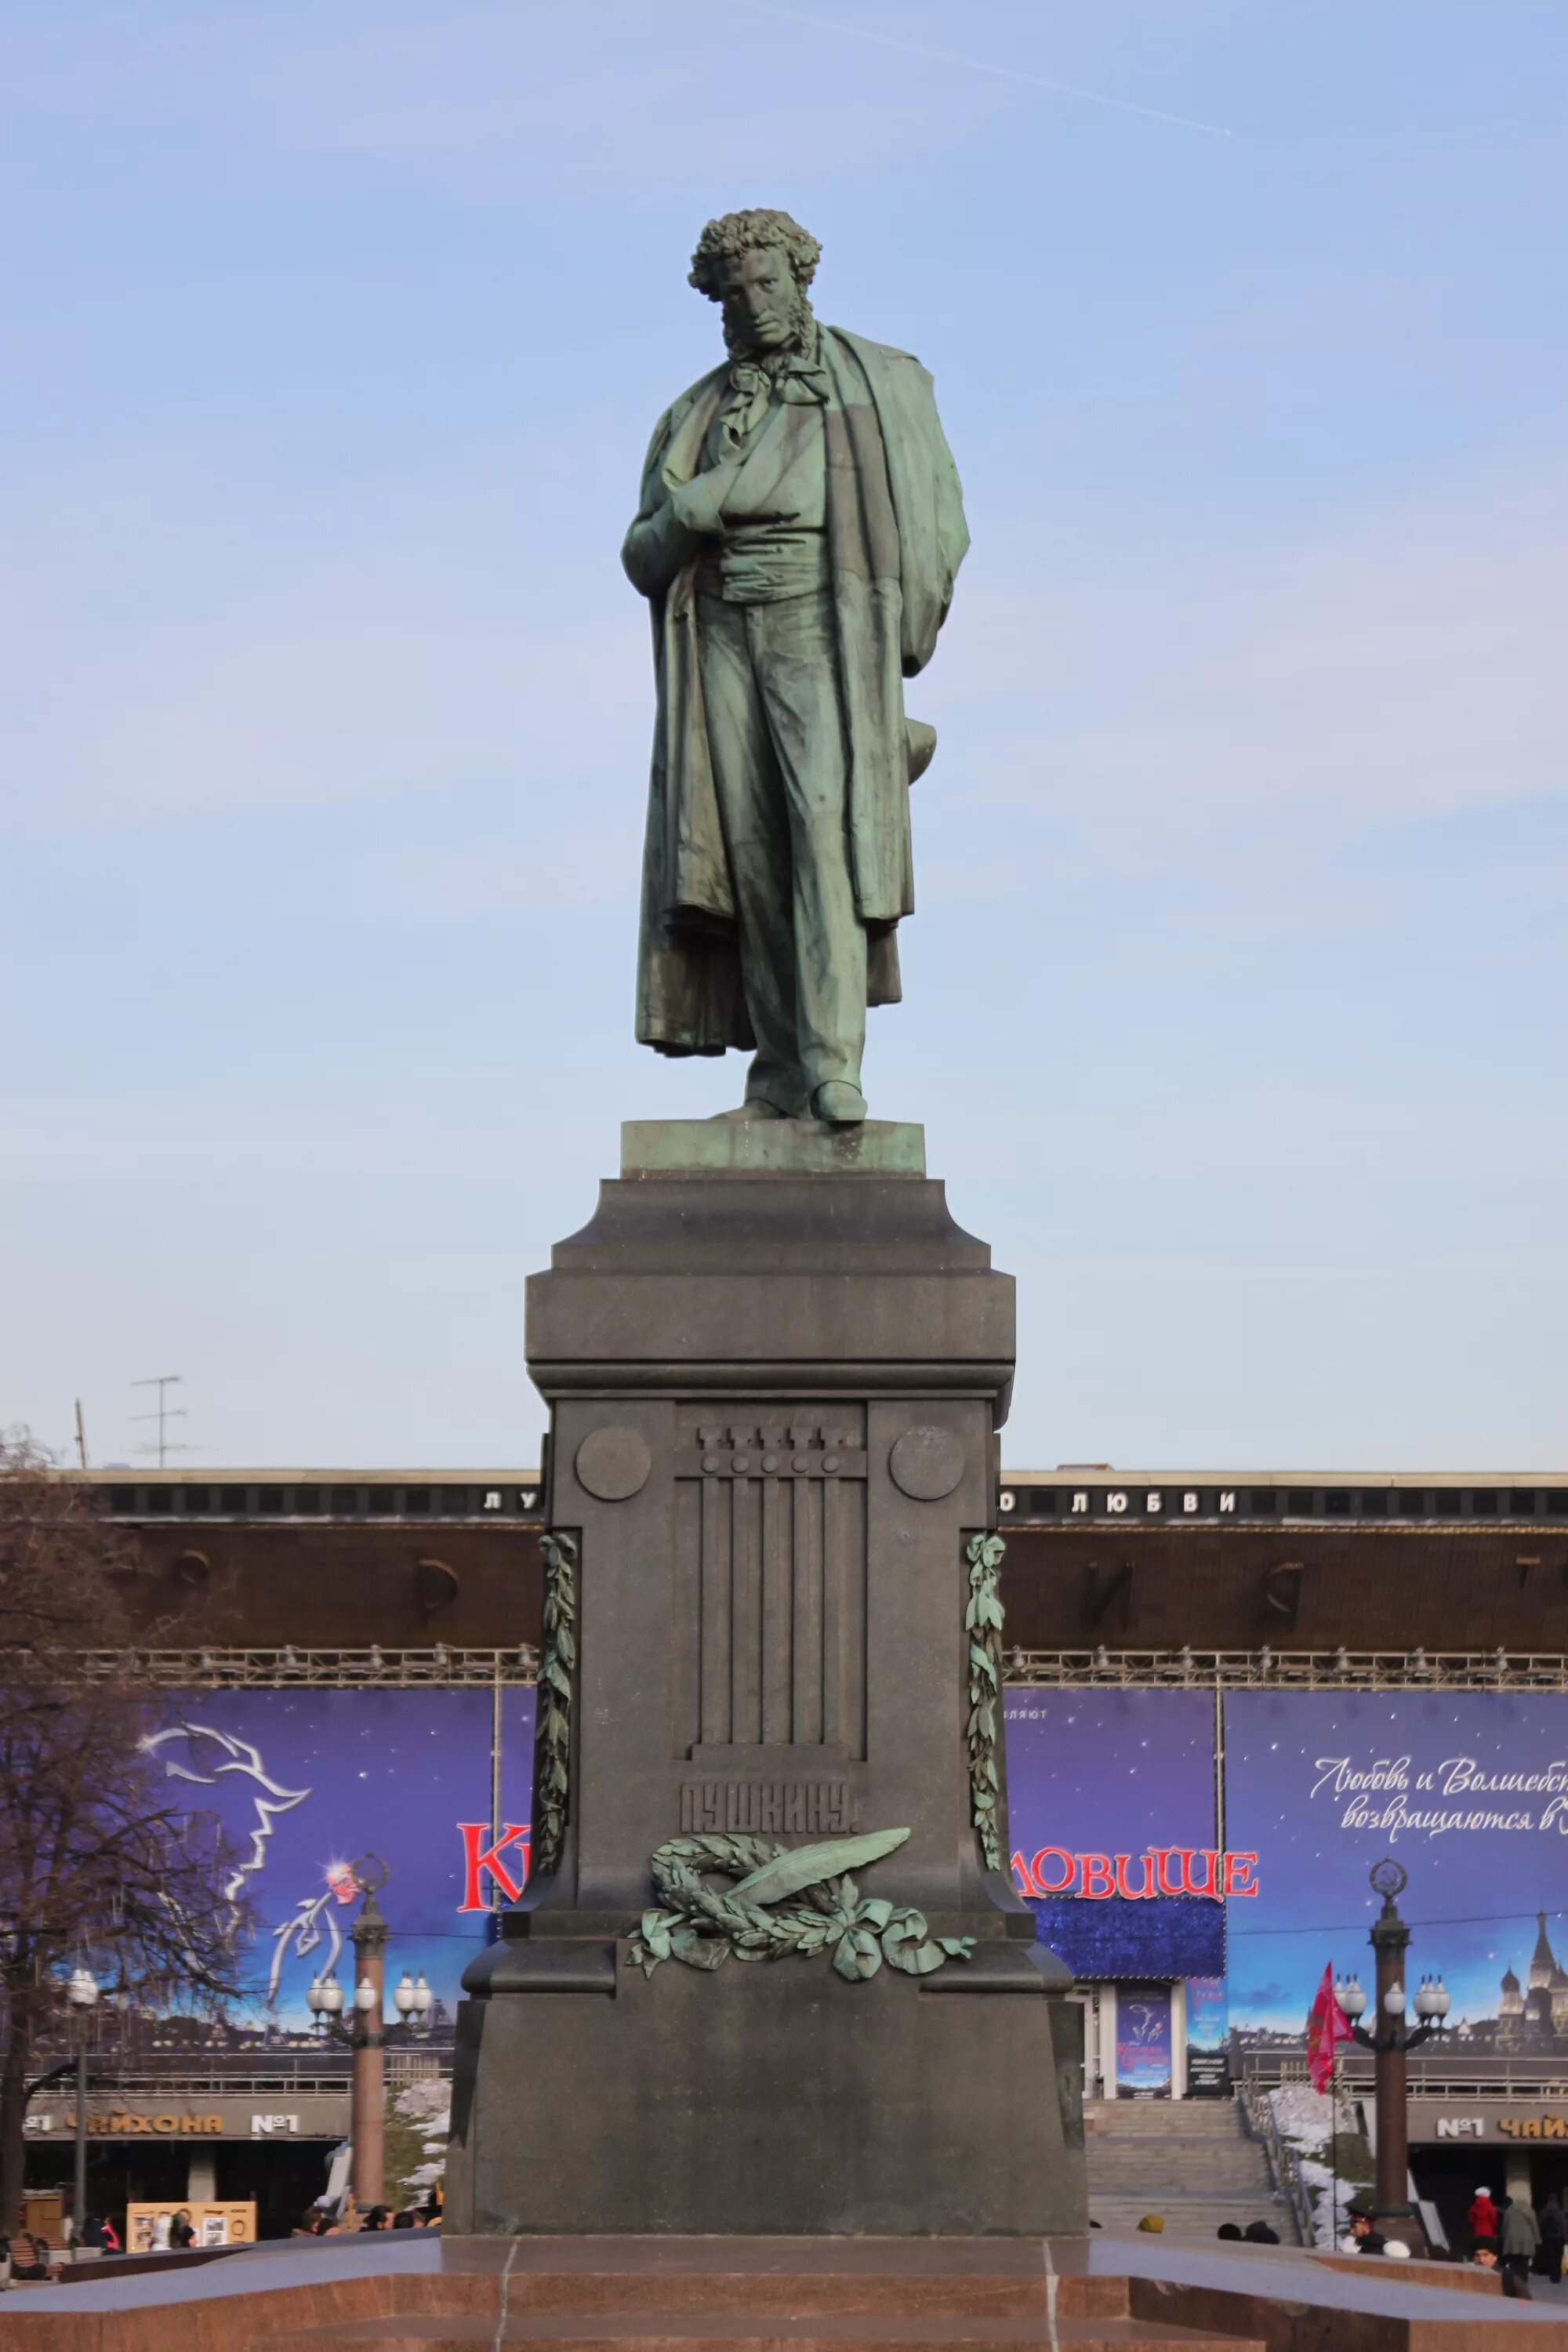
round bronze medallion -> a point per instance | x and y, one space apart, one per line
612 1464
926 1463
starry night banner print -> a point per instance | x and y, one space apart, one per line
308 1782
1467 1791
1111 1807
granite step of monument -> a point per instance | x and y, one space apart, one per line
712 2333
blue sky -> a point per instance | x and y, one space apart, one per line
1234 998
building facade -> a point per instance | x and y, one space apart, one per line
1227 1694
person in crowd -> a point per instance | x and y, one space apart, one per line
1517 2245
111 2237
1258 2233
1483 2219
182 2229
1367 2239
1485 2256
1152 2222
404 2220
377 2219
1228 2230
92 2233
30 2256
1553 2225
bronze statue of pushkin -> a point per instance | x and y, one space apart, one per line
797 536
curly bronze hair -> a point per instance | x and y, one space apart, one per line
736 233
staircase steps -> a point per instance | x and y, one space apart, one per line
1189 2161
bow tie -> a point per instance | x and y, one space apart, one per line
799 381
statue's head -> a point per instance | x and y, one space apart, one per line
757 265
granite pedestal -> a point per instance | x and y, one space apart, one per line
776 1368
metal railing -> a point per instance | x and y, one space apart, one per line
1268 1669
444 1666
1445 2074
1257 2113
440 1666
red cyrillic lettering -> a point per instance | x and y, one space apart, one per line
1098 1880
1209 1884
477 1856
1135 1894
1238 1870
1037 1870
1183 1854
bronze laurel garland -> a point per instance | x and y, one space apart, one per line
557 1675
983 1624
704 1925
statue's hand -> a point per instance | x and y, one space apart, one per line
699 504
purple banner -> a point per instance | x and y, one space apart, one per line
1467 1790
310 1781
1111 1797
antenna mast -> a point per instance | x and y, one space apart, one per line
166 1412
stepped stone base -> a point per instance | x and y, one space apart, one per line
708 2295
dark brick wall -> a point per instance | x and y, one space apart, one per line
345 1586
1237 1588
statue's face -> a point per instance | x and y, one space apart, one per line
760 301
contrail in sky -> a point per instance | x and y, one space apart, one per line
978 64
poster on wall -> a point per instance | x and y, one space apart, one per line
1467 1792
1110 1797
1143 2042
311 1781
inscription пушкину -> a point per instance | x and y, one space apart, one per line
758 1808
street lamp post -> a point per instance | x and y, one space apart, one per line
81 1992
367 2127
1390 2038
412 2000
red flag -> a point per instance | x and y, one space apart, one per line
1327 2027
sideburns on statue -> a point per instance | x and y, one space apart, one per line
797 537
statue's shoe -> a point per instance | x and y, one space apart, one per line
839 1103
755 1108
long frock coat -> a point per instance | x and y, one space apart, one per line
896 537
